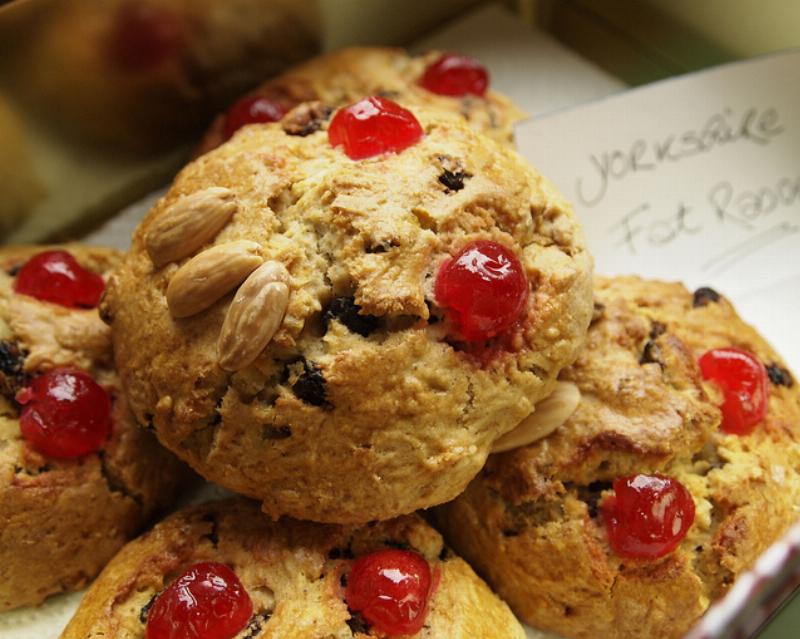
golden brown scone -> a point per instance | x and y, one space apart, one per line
345 76
530 524
293 572
62 520
361 406
145 74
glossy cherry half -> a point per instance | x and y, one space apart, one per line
56 276
742 377
648 515
390 589
484 289
65 413
143 35
373 126
207 601
252 109
455 75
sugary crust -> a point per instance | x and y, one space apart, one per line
344 76
407 418
293 572
529 523
63 520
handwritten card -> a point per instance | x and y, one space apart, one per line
694 179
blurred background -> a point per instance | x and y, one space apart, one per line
101 101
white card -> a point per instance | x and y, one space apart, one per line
694 179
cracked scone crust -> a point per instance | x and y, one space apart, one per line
293 572
359 408
62 520
529 523
345 76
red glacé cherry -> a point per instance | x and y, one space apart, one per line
648 515
455 75
56 276
251 109
143 35
743 380
65 413
390 589
207 601
373 126
484 287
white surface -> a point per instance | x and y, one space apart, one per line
538 73
727 216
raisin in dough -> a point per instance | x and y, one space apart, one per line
529 523
361 407
293 572
339 78
62 520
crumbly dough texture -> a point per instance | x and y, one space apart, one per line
354 413
529 523
293 572
347 75
62 520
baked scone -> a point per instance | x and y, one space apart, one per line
344 76
541 522
146 74
338 386
70 496
290 579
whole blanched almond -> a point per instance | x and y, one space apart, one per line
550 413
190 222
211 274
254 316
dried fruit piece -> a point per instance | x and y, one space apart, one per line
743 380
456 75
306 118
252 109
65 413
310 386
348 313
207 601
390 589
779 375
254 316
373 126
648 515
190 222
550 413
484 289
56 276
211 274
704 296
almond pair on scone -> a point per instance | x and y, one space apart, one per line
341 323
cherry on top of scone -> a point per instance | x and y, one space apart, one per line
483 289
373 126
65 413
390 589
55 276
743 380
455 75
648 515
251 109
206 601
142 36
